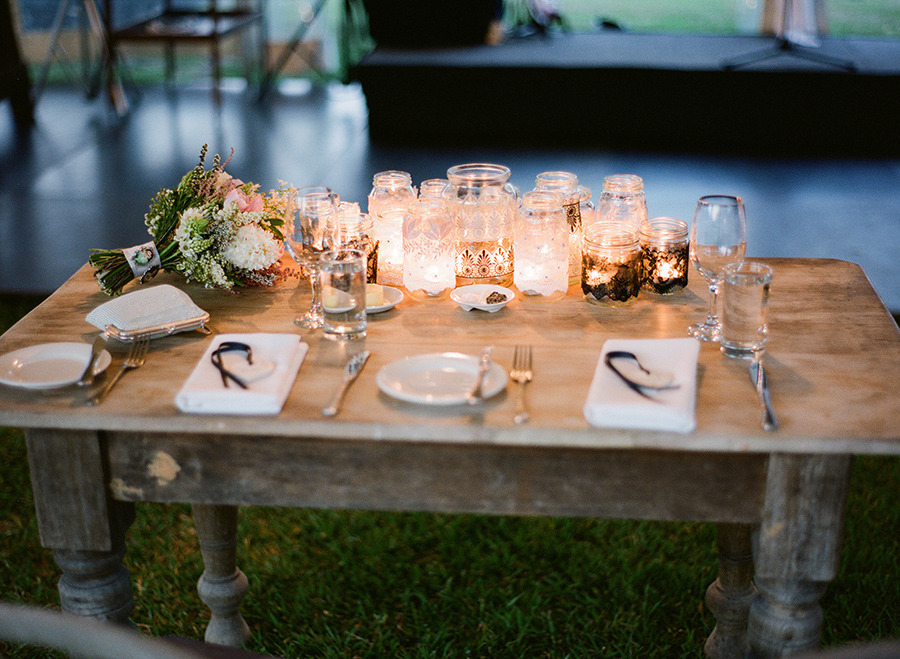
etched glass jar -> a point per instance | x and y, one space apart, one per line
355 230
566 185
482 203
542 245
665 251
622 201
429 249
611 265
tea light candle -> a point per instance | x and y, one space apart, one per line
610 265
665 250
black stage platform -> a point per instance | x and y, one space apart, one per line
640 91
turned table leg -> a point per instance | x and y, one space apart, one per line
222 585
796 551
80 522
730 595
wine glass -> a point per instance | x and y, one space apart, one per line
718 238
307 238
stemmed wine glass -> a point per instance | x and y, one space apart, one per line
718 238
307 238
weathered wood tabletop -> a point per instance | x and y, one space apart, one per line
833 360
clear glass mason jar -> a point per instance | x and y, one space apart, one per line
389 233
542 245
356 230
665 253
566 184
390 190
611 265
433 187
622 201
483 204
586 208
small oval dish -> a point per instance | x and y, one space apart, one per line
476 296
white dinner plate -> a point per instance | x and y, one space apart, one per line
475 296
49 365
392 297
438 378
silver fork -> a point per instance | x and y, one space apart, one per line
137 353
521 373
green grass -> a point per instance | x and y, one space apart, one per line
368 584
875 18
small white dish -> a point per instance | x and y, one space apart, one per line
438 378
49 365
475 296
392 297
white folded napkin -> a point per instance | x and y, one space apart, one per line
276 361
611 403
146 308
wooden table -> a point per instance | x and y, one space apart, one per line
834 364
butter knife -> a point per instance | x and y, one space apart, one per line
87 378
761 382
351 370
484 365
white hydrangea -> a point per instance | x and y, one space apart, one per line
252 248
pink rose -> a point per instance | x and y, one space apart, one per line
238 198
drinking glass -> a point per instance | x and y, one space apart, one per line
307 238
718 238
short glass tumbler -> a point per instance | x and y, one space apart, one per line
429 249
745 301
542 245
342 276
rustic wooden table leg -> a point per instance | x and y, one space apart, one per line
80 522
730 595
796 551
222 585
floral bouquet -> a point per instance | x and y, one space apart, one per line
211 228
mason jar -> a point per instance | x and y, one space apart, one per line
483 205
429 249
433 187
356 230
622 201
566 185
665 253
611 265
542 245
391 190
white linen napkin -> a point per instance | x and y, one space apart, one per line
277 359
145 308
611 403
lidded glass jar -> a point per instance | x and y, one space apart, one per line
566 185
429 249
611 265
542 245
665 251
482 202
622 201
355 230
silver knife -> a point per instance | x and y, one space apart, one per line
758 377
351 370
484 364
87 377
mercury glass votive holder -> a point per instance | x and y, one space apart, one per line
541 245
429 249
665 252
611 264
